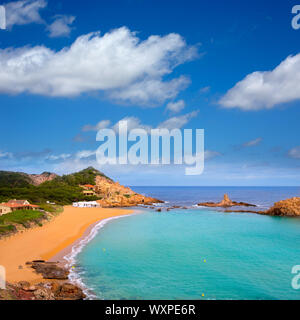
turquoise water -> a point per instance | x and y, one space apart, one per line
162 256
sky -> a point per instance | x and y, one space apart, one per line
69 68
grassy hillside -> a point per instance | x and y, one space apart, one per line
61 190
13 179
22 217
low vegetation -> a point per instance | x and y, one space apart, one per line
9 221
61 190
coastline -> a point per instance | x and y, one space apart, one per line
53 241
67 257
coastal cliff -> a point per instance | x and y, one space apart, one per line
115 195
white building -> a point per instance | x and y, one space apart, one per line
86 204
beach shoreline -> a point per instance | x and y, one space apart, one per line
53 241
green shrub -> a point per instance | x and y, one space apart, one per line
22 217
6 228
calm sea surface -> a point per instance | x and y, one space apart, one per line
196 253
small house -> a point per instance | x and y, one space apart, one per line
19 205
88 192
4 209
86 204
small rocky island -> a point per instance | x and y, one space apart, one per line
225 203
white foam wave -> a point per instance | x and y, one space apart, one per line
70 258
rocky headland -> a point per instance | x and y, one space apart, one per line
113 194
289 208
284 208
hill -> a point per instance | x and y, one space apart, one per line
67 188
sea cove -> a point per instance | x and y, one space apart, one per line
195 253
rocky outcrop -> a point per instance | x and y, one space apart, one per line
288 208
49 270
113 194
42 291
37 179
226 202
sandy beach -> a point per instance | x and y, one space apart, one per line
53 240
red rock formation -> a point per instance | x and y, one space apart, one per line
38 179
115 195
226 202
288 207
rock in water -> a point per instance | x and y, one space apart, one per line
226 202
288 207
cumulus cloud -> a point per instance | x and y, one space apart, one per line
61 26
156 90
294 153
100 125
265 90
24 12
117 63
132 123
176 106
178 122
135 123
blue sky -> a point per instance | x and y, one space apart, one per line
229 67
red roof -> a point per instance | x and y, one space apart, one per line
21 202
89 186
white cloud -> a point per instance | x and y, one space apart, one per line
132 123
135 123
265 90
85 154
294 153
117 63
100 125
5 155
176 106
209 154
62 156
24 12
205 89
151 89
252 143
61 26
178 122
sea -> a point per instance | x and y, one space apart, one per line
193 253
